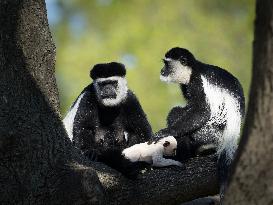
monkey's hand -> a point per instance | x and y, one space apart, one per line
164 133
100 133
91 154
177 163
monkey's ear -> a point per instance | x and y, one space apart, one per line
166 144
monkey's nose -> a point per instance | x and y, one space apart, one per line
163 71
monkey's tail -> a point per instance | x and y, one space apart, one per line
226 151
227 147
224 166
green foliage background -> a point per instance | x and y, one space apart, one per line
138 33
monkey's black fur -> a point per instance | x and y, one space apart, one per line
190 123
104 70
94 120
197 124
99 131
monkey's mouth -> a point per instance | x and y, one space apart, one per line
170 154
165 75
108 90
108 95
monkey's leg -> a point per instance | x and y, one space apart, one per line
206 149
223 171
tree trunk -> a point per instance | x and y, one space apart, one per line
38 164
252 179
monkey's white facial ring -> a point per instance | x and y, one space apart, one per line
120 91
166 79
175 72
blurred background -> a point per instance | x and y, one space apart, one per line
138 33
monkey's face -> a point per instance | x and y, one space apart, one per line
107 89
177 67
111 91
169 146
175 71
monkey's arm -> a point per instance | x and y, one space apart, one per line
187 119
136 118
160 161
85 124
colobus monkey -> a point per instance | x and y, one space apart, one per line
107 117
214 111
153 152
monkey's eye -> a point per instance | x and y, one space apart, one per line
183 61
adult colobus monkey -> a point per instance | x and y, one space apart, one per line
107 117
214 111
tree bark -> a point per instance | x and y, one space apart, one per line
252 179
38 164
163 186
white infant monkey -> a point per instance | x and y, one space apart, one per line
153 152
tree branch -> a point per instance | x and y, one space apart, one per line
171 185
